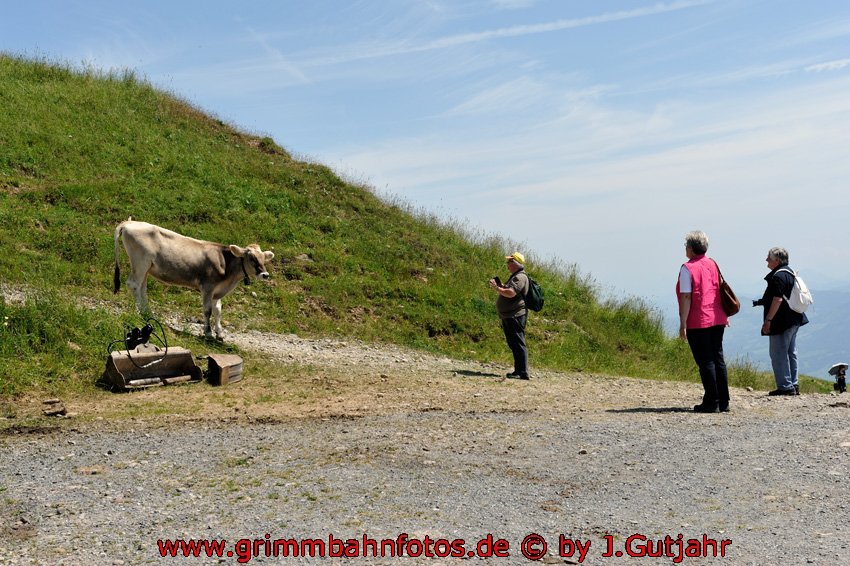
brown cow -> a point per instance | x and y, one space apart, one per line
167 256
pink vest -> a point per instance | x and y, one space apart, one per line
706 308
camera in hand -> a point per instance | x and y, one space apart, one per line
497 280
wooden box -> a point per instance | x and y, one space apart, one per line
224 368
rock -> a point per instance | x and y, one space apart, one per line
90 470
56 410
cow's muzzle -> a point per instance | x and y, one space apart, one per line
263 275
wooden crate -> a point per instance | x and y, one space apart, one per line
224 368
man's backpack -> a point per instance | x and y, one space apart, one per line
534 297
800 297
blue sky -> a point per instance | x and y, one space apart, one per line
592 132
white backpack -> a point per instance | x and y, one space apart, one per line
800 297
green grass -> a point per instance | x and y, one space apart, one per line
81 150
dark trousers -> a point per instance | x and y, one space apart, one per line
707 347
514 329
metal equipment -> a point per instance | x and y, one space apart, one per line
143 364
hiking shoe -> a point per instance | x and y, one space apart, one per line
797 389
706 408
724 407
791 391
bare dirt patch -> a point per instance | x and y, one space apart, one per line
328 378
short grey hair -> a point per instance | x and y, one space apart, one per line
778 254
697 241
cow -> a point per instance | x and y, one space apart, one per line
213 269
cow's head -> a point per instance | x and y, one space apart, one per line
253 260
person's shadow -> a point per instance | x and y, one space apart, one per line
471 373
651 410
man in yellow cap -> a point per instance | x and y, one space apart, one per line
511 308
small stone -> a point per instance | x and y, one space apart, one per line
55 411
90 470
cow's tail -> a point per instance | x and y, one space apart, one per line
116 278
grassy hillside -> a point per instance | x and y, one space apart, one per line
81 151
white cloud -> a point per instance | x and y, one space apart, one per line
338 54
743 168
275 69
513 95
277 60
512 4
564 24
822 31
829 66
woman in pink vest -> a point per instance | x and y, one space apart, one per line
702 321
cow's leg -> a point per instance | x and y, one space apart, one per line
217 312
138 284
208 309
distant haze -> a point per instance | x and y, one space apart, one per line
821 343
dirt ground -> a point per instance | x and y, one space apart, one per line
328 378
353 439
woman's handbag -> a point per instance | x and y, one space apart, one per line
731 304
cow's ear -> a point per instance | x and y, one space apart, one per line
269 256
237 251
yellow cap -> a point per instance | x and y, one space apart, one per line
517 257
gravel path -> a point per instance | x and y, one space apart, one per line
466 455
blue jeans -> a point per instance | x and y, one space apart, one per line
783 357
